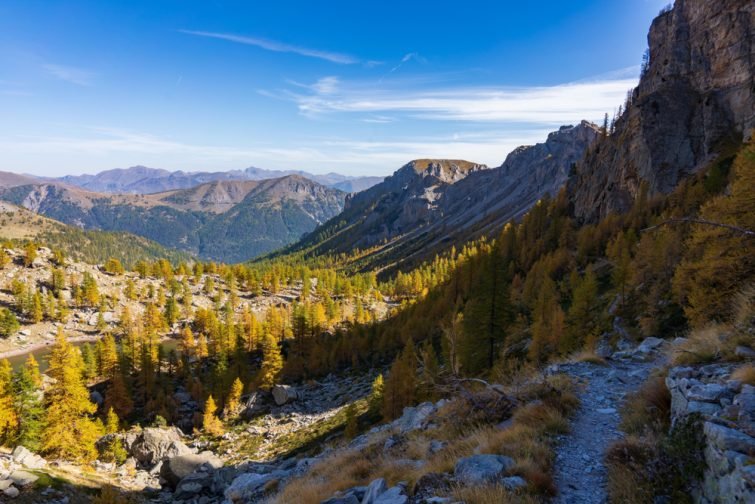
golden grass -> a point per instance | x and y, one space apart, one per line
527 440
745 374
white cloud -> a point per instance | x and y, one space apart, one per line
272 45
70 74
104 148
545 105
326 85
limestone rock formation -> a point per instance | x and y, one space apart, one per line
694 101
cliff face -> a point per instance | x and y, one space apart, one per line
695 97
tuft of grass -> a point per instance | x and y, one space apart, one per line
745 374
647 409
703 346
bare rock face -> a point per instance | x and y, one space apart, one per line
694 100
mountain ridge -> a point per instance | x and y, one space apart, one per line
145 180
428 205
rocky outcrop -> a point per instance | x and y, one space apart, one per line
726 408
694 99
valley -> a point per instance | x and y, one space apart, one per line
574 325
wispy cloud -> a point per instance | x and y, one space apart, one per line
545 105
272 45
406 59
70 74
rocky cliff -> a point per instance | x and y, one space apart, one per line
694 99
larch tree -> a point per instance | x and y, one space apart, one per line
70 432
234 397
210 422
720 260
272 362
8 416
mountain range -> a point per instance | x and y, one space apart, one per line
227 221
144 180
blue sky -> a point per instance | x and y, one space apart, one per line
353 87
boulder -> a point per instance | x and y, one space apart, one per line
284 394
481 469
27 459
249 487
374 490
394 495
23 478
155 444
11 492
744 352
174 469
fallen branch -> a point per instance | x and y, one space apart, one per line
692 220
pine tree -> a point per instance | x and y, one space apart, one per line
211 423
70 432
28 405
8 322
272 362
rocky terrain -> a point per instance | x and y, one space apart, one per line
428 205
695 100
228 221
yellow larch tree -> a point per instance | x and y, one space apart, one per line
70 432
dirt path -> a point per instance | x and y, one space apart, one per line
580 474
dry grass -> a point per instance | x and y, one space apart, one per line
745 374
628 461
647 409
703 346
466 431
491 494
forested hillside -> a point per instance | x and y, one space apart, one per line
224 220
